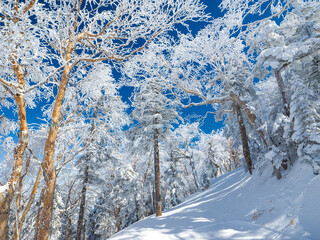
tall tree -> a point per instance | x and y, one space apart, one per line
19 69
79 33
284 48
105 132
223 66
154 113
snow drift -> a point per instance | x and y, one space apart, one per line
240 206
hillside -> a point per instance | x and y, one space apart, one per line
238 206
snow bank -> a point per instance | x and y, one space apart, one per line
239 206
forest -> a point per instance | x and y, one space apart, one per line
99 99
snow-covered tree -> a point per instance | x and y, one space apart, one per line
155 113
104 136
72 35
20 69
290 49
216 155
80 33
181 177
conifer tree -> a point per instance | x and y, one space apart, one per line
154 113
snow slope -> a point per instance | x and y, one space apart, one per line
238 206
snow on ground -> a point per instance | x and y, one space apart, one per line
238 206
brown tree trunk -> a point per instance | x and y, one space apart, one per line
244 138
45 213
7 196
252 120
157 171
82 203
17 232
38 215
84 230
4 216
116 216
68 230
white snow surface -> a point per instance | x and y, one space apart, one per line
240 206
4 188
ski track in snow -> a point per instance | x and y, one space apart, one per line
239 206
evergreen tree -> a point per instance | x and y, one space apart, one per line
305 114
154 113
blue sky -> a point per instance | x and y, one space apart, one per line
208 124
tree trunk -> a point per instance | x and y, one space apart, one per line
80 226
84 230
116 216
157 171
281 86
68 230
251 117
38 214
4 216
67 217
231 158
7 196
82 203
244 138
27 208
45 213
194 172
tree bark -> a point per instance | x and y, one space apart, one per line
82 203
251 116
38 214
4 216
231 158
67 218
27 208
68 230
194 172
281 86
81 226
45 213
244 138
157 171
7 196
116 216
